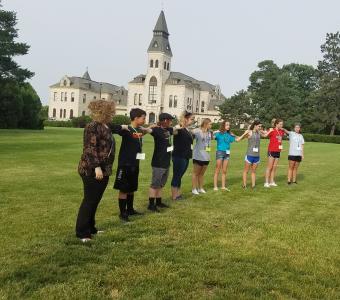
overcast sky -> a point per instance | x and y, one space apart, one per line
219 41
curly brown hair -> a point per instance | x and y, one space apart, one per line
102 111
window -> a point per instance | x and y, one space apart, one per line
156 63
64 113
165 65
122 92
83 113
62 96
153 89
202 106
152 118
168 66
94 97
170 101
151 63
72 97
55 96
140 99
175 101
135 99
84 98
54 112
71 113
65 83
61 113
65 96
155 44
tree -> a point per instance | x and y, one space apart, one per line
9 69
237 109
328 97
43 114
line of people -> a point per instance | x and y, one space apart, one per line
179 144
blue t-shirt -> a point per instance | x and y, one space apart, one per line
224 140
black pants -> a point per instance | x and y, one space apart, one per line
93 193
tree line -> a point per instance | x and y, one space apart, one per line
296 93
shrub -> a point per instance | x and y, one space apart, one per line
321 138
80 122
121 120
49 123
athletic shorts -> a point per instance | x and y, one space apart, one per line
274 154
252 159
201 163
295 158
159 177
222 155
127 179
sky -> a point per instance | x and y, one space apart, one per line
219 41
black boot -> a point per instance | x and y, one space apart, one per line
152 206
160 204
130 210
123 212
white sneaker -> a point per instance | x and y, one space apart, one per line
85 240
267 185
215 188
202 191
225 189
273 184
195 192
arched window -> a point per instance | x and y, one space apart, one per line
175 101
151 63
72 97
65 83
170 101
71 113
135 99
153 89
65 96
202 106
156 63
165 65
140 99
64 113
152 118
61 113
54 112
168 66
83 113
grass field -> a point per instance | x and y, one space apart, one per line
281 243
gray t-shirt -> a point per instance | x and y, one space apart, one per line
253 148
296 141
203 142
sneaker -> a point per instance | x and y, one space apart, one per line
225 189
289 183
86 240
267 185
202 191
244 187
124 217
195 192
180 197
134 213
273 184
295 182
153 208
215 188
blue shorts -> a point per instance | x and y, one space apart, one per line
222 155
252 159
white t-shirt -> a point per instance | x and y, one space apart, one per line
296 141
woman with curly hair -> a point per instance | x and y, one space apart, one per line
95 165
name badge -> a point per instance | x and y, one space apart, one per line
227 152
170 149
280 147
192 147
208 149
140 156
255 149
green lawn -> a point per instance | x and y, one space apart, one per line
280 243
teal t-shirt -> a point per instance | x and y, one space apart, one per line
224 140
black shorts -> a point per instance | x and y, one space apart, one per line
127 179
274 154
201 163
295 158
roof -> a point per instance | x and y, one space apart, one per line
87 75
160 40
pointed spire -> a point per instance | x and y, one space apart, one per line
161 24
86 74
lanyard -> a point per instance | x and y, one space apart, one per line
206 137
139 139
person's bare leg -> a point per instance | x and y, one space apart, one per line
296 166
195 172
245 173
201 177
152 193
273 173
122 195
290 171
224 172
269 168
217 171
174 192
253 175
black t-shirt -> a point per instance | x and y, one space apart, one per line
132 141
182 144
162 137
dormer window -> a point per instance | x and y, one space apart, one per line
155 44
167 47
65 83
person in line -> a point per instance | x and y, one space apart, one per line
252 158
160 160
182 153
275 147
95 164
201 155
296 153
224 138
130 154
